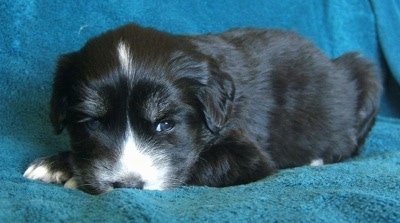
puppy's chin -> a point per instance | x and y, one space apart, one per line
96 189
88 187
105 187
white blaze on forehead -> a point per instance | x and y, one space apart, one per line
135 160
124 56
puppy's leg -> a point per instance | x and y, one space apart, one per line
51 169
369 91
232 162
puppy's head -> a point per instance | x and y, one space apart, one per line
140 106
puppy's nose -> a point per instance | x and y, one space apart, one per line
129 183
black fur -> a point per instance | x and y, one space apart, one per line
241 104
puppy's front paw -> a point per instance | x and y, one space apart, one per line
71 183
52 169
42 170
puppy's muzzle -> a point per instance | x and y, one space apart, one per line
131 181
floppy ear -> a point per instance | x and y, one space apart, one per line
61 85
216 97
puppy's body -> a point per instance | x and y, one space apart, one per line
148 109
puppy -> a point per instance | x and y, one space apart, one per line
151 110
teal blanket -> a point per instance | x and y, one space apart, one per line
33 33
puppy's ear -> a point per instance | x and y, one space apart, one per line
61 86
216 97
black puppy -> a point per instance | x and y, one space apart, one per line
151 110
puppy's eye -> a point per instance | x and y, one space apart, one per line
165 125
93 124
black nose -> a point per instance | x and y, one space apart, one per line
138 184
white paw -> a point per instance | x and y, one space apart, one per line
42 172
71 183
317 162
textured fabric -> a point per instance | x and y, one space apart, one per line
34 33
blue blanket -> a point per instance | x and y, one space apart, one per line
34 33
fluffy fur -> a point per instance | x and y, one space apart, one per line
151 110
